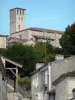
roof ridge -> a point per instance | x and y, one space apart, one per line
40 29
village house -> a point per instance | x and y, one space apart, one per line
54 80
39 82
3 93
3 41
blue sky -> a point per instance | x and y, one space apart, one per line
52 14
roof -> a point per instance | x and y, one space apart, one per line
2 67
17 8
41 30
39 69
17 40
44 30
13 62
3 35
62 77
57 61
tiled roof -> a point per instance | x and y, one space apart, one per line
41 30
12 62
63 76
44 30
17 40
37 70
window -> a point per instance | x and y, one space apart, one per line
19 27
22 18
23 12
20 11
19 18
17 11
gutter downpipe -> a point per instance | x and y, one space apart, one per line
49 74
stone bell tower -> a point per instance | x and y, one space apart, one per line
17 20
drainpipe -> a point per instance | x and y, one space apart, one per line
49 73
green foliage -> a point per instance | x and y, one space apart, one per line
46 51
25 82
28 56
19 79
2 51
24 55
58 51
39 48
67 41
49 58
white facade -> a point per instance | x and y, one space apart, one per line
64 89
39 83
48 74
3 40
17 20
60 67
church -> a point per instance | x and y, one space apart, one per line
20 34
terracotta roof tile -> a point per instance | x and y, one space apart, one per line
17 40
41 30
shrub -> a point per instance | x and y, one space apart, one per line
25 82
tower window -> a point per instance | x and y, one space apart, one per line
19 18
17 11
19 27
22 18
23 12
20 11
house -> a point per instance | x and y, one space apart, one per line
64 79
31 35
51 80
3 40
3 91
64 86
39 82
9 79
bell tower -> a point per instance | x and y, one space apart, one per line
17 20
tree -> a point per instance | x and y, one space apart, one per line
46 51
25 82
24 55
67 41
28 56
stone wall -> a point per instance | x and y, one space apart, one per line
62 66
64 89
